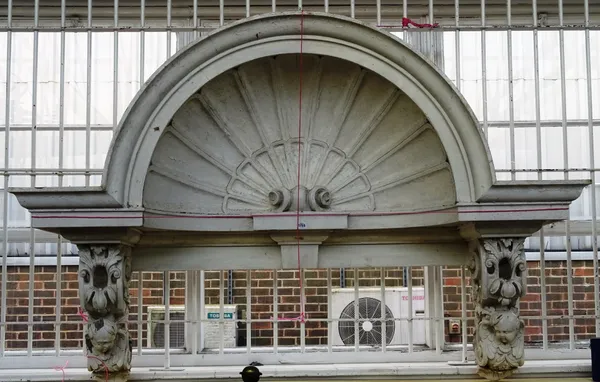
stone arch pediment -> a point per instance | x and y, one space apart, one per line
233 146
386 139
227 67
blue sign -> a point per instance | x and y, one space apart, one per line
215 316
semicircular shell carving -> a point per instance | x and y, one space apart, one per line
234 147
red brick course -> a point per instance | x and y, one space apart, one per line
44 301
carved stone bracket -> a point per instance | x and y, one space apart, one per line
104 275
499 275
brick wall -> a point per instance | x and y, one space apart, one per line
44 302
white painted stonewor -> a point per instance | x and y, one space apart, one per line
233 147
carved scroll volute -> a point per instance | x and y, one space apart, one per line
499 275
504 271
102 282
104 275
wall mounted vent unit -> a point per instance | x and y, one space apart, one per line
369 316
211 328
156 328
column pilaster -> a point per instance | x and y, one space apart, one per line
499 274
104 276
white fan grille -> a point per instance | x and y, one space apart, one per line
369 323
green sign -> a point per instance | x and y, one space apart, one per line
215 316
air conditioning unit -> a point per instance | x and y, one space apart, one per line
419 327
212 332
369 312
156 330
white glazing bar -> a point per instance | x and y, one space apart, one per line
88 96
31 286
143 41
536 70
431 16
274 5
61 103
383 312
197 297
463 311
329 314
563 94
7 113
202 301
247 8
299 4
169 27
484 70
57 312
511 104
191 311
404 15
61 133
303 309
570 283
36 12
563 90
590 109
538 129
543 291
221 311
140 309
457 43
115 68
356 312
352 7
36 9
248 311
456 14
167 300
195 17
221 12
275 311
326 6
410 309
378 5
439 320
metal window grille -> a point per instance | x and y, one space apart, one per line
69 72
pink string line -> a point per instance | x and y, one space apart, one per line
62 368
309 214
406 22
84 317
103 365
301 317
82 314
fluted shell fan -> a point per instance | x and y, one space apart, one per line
233 146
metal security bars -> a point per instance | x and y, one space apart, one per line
531 73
